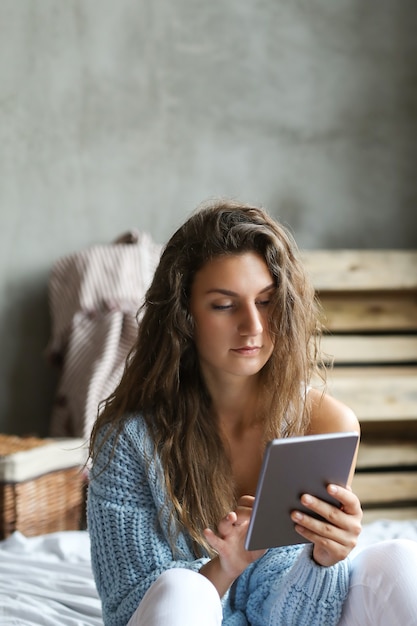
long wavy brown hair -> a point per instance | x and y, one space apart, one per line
162 379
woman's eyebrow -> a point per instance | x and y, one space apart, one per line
228 292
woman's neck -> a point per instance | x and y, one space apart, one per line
235 404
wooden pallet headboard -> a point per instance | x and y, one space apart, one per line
369 300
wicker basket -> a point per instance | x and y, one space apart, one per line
46 503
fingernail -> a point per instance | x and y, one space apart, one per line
332 488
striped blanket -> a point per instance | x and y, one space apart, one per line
94 297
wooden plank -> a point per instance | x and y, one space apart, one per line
376 394
397 513
389 429
385 487
346 349
393 453
341 270
346 312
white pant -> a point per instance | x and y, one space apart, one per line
382 592
179 597
383 586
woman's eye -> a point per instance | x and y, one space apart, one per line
221 307
263 303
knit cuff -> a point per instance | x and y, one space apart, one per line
319 580
312 594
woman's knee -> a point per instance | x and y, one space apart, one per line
383 587
386 558
182 582
180 597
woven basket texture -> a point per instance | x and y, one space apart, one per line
48 503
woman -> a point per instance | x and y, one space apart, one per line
225 354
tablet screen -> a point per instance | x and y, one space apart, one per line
291 467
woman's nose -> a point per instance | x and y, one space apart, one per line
251 322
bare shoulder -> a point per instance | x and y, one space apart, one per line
329 415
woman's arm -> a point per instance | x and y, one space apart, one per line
229 541
128 525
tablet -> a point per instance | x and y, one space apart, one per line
291 467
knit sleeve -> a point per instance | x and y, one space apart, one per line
287 587
128 526
312 594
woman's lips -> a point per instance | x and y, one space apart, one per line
247 350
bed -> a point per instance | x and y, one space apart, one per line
47 580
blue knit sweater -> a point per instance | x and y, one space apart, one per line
129 529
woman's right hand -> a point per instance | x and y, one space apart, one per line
229 543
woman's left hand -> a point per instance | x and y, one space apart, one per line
335 537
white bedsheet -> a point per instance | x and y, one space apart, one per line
47 580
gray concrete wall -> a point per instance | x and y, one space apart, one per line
119 114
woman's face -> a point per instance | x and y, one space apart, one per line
230 300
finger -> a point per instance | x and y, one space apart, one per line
338 527
316 538
309 526
349 501
244 509
340 516
316 530
243 516
213 540
327 550
226 523
246 501
329 512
